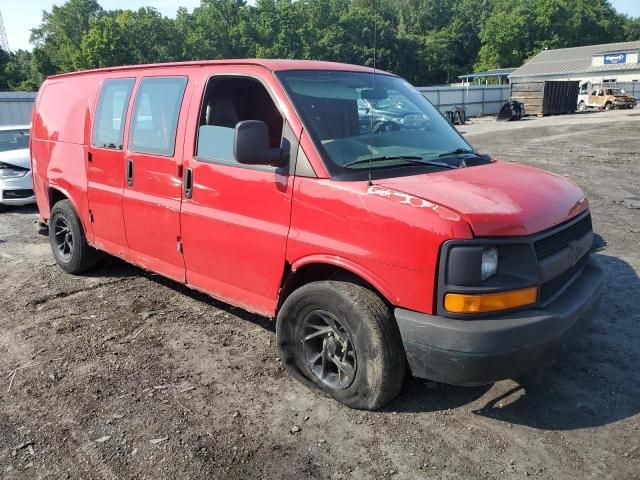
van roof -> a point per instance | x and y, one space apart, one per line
271 64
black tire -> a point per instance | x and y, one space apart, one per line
373 352
68 242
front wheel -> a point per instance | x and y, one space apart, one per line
68 243
608 106
342 339
582 106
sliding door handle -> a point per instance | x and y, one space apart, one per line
188 183
130 172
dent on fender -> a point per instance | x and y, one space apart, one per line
416 202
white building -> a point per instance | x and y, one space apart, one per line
592 64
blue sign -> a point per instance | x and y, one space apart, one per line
615 58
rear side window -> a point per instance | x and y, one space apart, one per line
108 131
155 115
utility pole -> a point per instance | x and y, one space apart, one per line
4 43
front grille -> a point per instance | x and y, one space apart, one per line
17 194
549 288
547 246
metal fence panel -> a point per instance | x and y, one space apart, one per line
478 100
632 88
15 107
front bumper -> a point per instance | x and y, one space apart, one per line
17 191
476 352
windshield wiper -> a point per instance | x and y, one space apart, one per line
414 159
457 151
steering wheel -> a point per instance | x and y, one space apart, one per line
388 126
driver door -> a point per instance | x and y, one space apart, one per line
235 218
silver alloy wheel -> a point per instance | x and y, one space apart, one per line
63 238
328 349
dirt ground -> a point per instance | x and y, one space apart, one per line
122 374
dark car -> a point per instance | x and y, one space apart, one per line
386 114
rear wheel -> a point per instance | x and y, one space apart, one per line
68 242
341 338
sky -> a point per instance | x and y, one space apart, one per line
19 19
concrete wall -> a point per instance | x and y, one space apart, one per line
478 100
15 107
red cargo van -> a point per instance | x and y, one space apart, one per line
331 197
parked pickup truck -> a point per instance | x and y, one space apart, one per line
605 98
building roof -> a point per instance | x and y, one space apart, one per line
496 72
564 61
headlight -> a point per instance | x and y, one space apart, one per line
470 282
11 171
489 265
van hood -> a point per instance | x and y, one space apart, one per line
499 198
17 158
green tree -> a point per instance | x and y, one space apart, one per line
62 30
4 60
518 29
124 37
426 41
17 71
632 29
105 44
213 30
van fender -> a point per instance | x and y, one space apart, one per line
64 191
371 278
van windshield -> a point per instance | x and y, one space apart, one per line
359 122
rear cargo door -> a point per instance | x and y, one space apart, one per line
153 181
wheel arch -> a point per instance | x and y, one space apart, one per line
55 193
326 267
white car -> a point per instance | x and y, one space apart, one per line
16 184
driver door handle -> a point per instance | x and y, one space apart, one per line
130 172
188 183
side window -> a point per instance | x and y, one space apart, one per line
108 128
155 115
226 102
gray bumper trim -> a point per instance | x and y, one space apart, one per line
460 343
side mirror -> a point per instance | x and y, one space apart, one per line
251 144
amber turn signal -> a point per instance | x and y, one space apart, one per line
489 302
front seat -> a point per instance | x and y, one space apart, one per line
222 112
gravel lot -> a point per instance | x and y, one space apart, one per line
122 374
